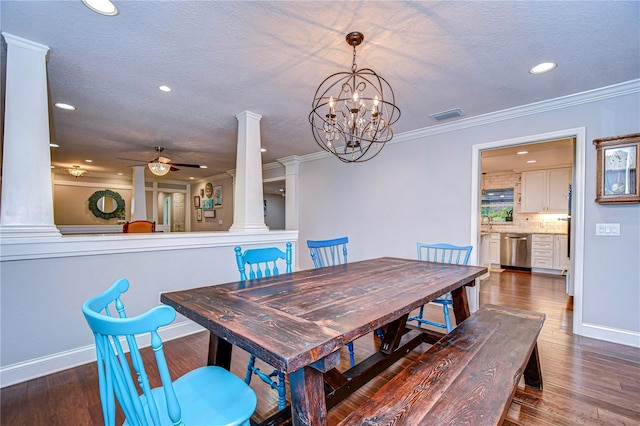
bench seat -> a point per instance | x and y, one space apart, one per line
468 377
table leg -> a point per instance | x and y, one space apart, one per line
532 375
392 334
460 304
308 405
219 352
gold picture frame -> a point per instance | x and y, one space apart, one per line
617 169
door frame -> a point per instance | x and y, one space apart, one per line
578 202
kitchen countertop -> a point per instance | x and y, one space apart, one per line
502 229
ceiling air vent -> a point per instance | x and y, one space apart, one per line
447 114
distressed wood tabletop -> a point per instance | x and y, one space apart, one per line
297 322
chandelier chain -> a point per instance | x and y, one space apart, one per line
354 67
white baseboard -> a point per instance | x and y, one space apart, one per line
614 335
38 367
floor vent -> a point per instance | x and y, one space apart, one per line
447 114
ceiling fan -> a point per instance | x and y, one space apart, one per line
160 165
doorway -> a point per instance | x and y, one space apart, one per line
576 227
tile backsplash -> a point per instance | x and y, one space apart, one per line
528 223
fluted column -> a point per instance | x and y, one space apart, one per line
248 212
139 199
27 193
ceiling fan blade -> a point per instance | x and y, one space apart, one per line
132 159
197 166
173 169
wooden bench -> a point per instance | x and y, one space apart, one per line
468 377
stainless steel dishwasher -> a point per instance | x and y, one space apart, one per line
515 251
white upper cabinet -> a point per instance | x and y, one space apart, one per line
543 191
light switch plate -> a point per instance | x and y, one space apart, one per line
608 229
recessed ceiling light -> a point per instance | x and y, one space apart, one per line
88 161
54 145
164 88
53 167
543 67
263 149
62 105
191 178
120 173
522 152
203 167
531 161
103 7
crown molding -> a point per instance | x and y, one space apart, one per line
607 92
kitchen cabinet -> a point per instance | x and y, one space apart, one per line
542 251
560 254
543 191
549 251
494 248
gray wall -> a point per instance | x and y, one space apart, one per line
420 190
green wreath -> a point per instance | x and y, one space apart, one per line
93 204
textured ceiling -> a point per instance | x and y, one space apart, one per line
222 58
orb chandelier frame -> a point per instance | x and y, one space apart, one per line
352 112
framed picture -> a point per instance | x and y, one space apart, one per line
617 174
207 204
196 201
217 196
199 214
210 213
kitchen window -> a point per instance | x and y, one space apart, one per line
497 204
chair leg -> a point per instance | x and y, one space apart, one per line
282 391
352 358
447 320
279 385
250 367
379 334
420 315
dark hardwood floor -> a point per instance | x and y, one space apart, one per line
586 381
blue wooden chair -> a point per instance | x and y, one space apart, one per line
443 253
206 395
330 253
263 262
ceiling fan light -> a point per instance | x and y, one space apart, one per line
76 171
158 168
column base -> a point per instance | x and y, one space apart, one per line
249 228
29 231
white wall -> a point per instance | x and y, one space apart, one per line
45 283
419 189
275 211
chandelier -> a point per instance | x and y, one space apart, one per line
353 111
76 171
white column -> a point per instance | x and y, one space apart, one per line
292 174
139 199
248 212
27 194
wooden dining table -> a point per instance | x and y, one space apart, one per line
298 322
